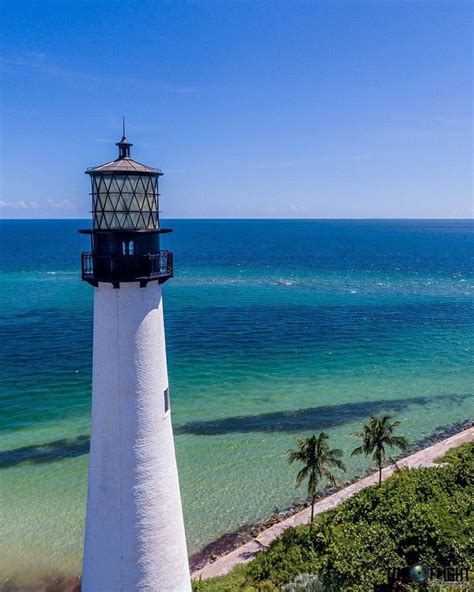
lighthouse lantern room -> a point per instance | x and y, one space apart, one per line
125 237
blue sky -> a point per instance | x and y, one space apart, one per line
322 109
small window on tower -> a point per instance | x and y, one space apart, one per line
124 248
131 248
167 400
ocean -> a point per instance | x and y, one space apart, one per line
275 329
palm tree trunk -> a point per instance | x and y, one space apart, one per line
380 473
313 499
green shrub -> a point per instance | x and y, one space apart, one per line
294 552
455 454
237 579
305 583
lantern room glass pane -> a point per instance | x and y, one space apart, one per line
129 184
125 202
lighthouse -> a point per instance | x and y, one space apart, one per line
134 533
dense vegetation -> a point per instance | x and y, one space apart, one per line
416 515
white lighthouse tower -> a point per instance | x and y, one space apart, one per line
134 536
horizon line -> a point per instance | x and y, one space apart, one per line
252 219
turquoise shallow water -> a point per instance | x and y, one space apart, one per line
274 329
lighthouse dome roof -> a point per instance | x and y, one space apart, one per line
123 166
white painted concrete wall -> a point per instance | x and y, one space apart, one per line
134 536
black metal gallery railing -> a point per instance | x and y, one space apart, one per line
127 268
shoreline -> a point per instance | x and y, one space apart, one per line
239 547
219 556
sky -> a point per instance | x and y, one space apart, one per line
294 109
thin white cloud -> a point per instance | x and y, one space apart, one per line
20 205
65 204
297 209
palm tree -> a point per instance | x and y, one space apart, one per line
318 459
375 435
